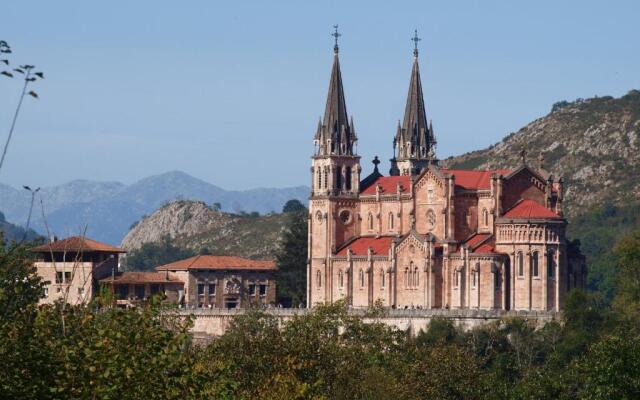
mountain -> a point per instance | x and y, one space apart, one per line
594 144
106 210
10 232
193 225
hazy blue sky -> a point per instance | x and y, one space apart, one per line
230 92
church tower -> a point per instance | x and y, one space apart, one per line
335 184
414 140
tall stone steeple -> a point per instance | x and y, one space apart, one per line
414 140
335 133
336 165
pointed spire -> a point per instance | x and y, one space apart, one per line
415 138
335 124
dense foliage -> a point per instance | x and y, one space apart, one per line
598 230
151 255
101 352
291 257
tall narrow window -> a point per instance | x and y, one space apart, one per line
520 264
485 217
326 177
339 178
456 278
381 277
534 264
551 264
319 183
361 278
319 278
416 277
496 280
370 221
406 277
390 220
347 178
474 283
340 279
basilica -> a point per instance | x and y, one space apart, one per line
426 236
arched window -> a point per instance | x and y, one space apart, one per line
370 221
319 278
485 217
382 277
534 264
326 176
416 277
361 278
319 182
339 178
456 278
347 178
551 264
406 277
390 220
520 264
340 279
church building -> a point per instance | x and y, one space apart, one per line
426 236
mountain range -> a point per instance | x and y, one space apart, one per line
105 211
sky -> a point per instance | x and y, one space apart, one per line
231 92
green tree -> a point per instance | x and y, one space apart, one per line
151 255
291 259
293 205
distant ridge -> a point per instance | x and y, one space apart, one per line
108 209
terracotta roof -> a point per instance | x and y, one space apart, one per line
359 247
218 262
530 209
474 179
76 244
143 277
476 239
485 248
389 184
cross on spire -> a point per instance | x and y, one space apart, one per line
336 35
415 39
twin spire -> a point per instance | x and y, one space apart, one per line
414 139
336 134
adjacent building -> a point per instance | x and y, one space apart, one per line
426 236
224 281
73 267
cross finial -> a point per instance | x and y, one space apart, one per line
415 39
335 35
375 162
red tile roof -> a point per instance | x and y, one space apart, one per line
474 179
219 263
476 239
530 209
359 247
143 277
485 248
76 244
389 184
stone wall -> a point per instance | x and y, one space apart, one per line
214 322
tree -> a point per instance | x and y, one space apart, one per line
151 255
291 258
293 205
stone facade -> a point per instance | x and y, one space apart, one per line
224 281
430 237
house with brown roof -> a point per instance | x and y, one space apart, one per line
224 281
73 267
428 236
203 281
